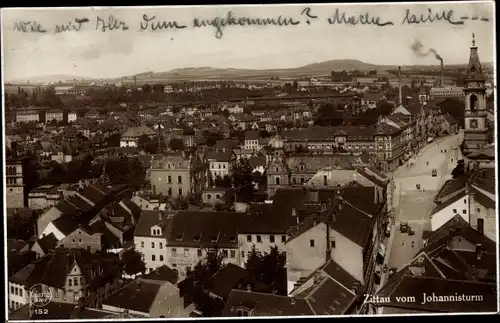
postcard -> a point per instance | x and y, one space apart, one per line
250 161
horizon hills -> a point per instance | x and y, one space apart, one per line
227 74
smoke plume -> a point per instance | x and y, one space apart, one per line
418 49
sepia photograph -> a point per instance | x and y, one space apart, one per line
249 161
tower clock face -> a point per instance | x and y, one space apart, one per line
473 124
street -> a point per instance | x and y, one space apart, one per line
414 205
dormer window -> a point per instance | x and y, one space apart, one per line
232 240
242 311
196 238
178 237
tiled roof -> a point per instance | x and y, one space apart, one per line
205 229
265 304
138 296
138 131
220 156
66 224
447 203
450 119
150 218
47 243
252 135
330 298
485 179
313 163
163 273
352 223
226 279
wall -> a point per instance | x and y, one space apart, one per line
181 258
478 211
147 251
47 217
440 218
21 297
15 197
348 255
50 228
219 169
160 183
79 239
245 247
302 259
169 303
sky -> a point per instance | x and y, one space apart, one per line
96 54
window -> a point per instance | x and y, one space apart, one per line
179 179
478 210
56 292
170 192
188 269
81 281
161 245
16 291
199 253
271 239
465 201
225 253
174 252
259 239
12 289
277 181
20 292
70 282
283 239
242 254
325 180
209 196
311 243
464 211
75 281
186 252
180 191
454 210
169 179
152 244
161 257
249 238
233 254
153 258
240 312
332 243
217 196
302 180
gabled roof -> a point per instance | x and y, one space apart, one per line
138 295
220 156
47 243
150 218
138 131
265 304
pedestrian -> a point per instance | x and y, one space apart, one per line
403 243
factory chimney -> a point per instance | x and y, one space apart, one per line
135 82
399 86
442 73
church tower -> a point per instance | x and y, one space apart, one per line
476 130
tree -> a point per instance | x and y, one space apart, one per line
21 225
222 181
132 263
269 269
176 144
180 203
143 141
195 287
146 88
243 181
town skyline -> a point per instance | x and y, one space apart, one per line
117 54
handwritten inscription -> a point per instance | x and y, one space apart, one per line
29 27
110 24
220 23
153 24
430 17
75 25
363 19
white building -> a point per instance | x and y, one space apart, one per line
447 92
150 238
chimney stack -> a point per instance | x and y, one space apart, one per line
13 148
442 73
399 86
479 251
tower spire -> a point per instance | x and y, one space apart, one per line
473 40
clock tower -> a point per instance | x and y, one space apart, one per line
476 130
